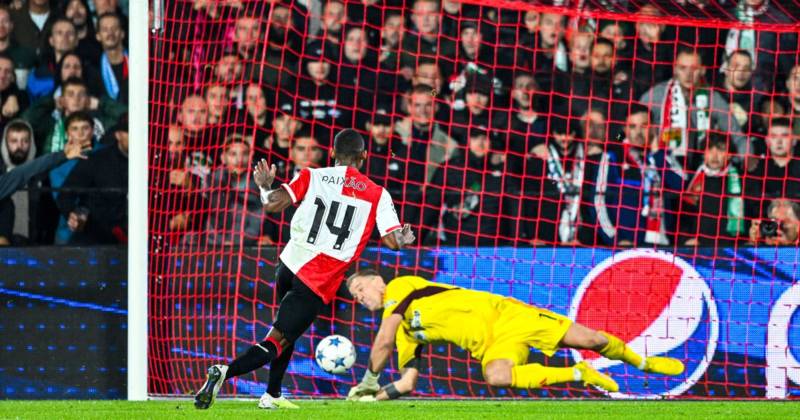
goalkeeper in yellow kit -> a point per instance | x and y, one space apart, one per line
497 330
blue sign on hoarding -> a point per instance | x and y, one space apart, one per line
730 315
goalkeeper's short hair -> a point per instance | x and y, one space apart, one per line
367 272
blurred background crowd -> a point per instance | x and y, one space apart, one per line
489 126
63 118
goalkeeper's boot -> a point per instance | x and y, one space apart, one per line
208 393
268 402
663 365
590 376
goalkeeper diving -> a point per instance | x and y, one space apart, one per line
499 331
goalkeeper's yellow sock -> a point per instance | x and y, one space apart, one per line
535 375
617 350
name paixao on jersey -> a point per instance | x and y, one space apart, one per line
338 209
346 182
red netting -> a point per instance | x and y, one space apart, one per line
527 144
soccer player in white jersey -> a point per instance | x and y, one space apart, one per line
339 206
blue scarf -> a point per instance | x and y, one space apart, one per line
109 80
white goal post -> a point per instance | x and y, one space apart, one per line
137 201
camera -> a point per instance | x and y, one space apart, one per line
770 228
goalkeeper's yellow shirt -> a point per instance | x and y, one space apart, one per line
434 312
489 326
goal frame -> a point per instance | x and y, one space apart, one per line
137 202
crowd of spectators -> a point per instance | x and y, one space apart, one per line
489 126
63 118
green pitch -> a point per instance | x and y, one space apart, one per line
409 409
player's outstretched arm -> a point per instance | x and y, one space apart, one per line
384 343
378 357
273 200
399 238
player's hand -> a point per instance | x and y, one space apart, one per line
363 392
407 235
368 386
263 174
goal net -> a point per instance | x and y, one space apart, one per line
627 164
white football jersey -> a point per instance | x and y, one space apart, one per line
338 209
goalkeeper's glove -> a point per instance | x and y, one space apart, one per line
367 387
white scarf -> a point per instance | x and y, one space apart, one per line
569 185
675 117
678 114
560 57
744 39
606 224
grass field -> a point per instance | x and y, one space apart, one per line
410 409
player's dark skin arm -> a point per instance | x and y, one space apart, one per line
399 238
278 199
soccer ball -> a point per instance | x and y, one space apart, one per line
335 354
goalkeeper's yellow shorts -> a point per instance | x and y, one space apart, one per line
520 327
